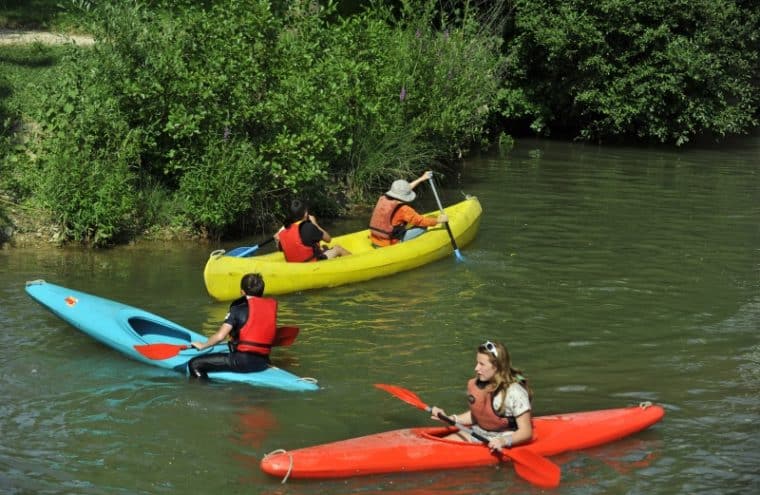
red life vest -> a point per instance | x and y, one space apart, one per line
260 328
483 414
292 245
380 223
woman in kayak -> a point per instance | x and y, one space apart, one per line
499 398
393 220
300 239
251 338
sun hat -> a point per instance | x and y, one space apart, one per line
401 190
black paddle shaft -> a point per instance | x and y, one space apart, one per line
463 428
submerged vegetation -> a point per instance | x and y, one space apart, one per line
208 116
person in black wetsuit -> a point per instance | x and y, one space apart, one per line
251 326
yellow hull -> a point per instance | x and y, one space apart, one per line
223 273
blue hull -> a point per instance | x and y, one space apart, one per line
122 327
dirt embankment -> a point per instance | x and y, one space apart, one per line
26 229
17 37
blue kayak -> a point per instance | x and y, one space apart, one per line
131 331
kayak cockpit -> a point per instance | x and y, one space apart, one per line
150 330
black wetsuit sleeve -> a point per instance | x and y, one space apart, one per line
238 314
310 235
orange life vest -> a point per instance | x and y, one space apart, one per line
260 328
292 245
483 414
382 216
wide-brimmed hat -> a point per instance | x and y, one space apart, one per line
401 190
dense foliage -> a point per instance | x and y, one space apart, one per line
229 109
659 70
5 167
210 115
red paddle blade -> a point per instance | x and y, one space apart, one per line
160 351
534 468
285 336
404 394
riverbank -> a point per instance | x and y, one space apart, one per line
27 228
24 228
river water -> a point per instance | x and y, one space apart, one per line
615 275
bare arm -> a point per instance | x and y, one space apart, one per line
325 236
523 434
464 418
219 336
422 178
277 238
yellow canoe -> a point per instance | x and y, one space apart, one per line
223 272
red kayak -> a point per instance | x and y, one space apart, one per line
420 449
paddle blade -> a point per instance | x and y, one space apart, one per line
534 468
243 251
285 336
159 352
530 466
457 254
246 251
406 395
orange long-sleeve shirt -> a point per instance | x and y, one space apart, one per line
408 215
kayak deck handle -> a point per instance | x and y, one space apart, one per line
290 467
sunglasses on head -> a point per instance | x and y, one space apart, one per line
490 347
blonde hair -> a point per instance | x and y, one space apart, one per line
505 375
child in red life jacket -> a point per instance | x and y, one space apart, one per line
499 399
251 326
300 239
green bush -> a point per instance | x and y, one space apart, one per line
657 70
230 108
222 187
88 155
417 85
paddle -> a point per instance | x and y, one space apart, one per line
245 251
448 229
285 337
532 467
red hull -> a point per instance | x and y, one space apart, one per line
421 449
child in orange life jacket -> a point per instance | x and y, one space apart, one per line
393 220
251 326
499 399
300 239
